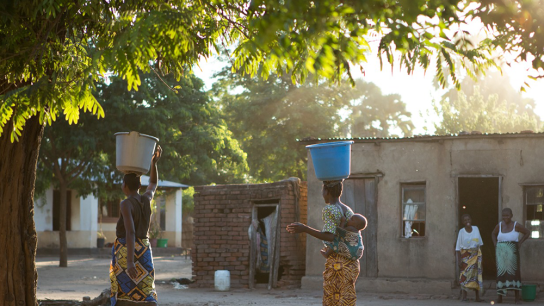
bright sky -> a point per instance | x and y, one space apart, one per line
416 89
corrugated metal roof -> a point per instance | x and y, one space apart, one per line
165 184
461 135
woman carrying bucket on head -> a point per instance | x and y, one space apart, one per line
340 272
132 273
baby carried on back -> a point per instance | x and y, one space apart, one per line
348 241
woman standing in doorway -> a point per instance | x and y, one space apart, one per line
132 273
469 257
340 273
506 239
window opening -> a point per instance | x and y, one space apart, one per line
413 210
534 218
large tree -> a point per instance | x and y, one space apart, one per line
488 105
51 52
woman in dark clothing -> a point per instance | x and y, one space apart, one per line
132 273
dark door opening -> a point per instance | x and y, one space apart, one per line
479 197
264 245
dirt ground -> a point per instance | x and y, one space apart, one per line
89 277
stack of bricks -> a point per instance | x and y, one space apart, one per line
222 217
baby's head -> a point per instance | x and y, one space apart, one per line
358 221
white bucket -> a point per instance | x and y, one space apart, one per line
222 280
134 151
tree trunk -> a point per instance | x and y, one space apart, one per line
63 259
18 276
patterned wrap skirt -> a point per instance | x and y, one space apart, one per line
140 289
339 280
508 274
471 270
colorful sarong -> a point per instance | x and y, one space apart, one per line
339 280
508 274
471 270
141 289
264 265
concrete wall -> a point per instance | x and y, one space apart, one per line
222 216
437 161
83 221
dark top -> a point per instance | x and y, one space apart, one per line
141 215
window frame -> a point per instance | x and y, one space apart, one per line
526 206
108 219
418 185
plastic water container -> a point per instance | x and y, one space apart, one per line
332 160
134 151
222 280
528 292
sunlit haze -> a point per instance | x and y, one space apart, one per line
416 89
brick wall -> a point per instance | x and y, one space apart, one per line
222 216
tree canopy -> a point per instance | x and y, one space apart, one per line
268 117
490 105
51 52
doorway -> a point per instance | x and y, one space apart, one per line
480 198
264 244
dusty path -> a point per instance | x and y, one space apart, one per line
89 276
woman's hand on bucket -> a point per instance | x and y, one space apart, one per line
296 227
157 155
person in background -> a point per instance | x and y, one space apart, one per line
469 258
507 243
340 273
132 274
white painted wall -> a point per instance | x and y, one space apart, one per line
173 218
43 212
85 225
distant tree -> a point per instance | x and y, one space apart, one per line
490 105
69 156
373 114
269 116
198 149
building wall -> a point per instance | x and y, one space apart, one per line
438 161
83 221
85 225
222 217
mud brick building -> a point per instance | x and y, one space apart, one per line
226 223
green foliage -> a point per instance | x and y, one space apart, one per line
197 146
52 52
489 106
188 200
372 114
269 116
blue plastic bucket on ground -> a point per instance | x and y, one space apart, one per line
332 160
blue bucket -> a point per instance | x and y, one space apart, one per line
332 160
